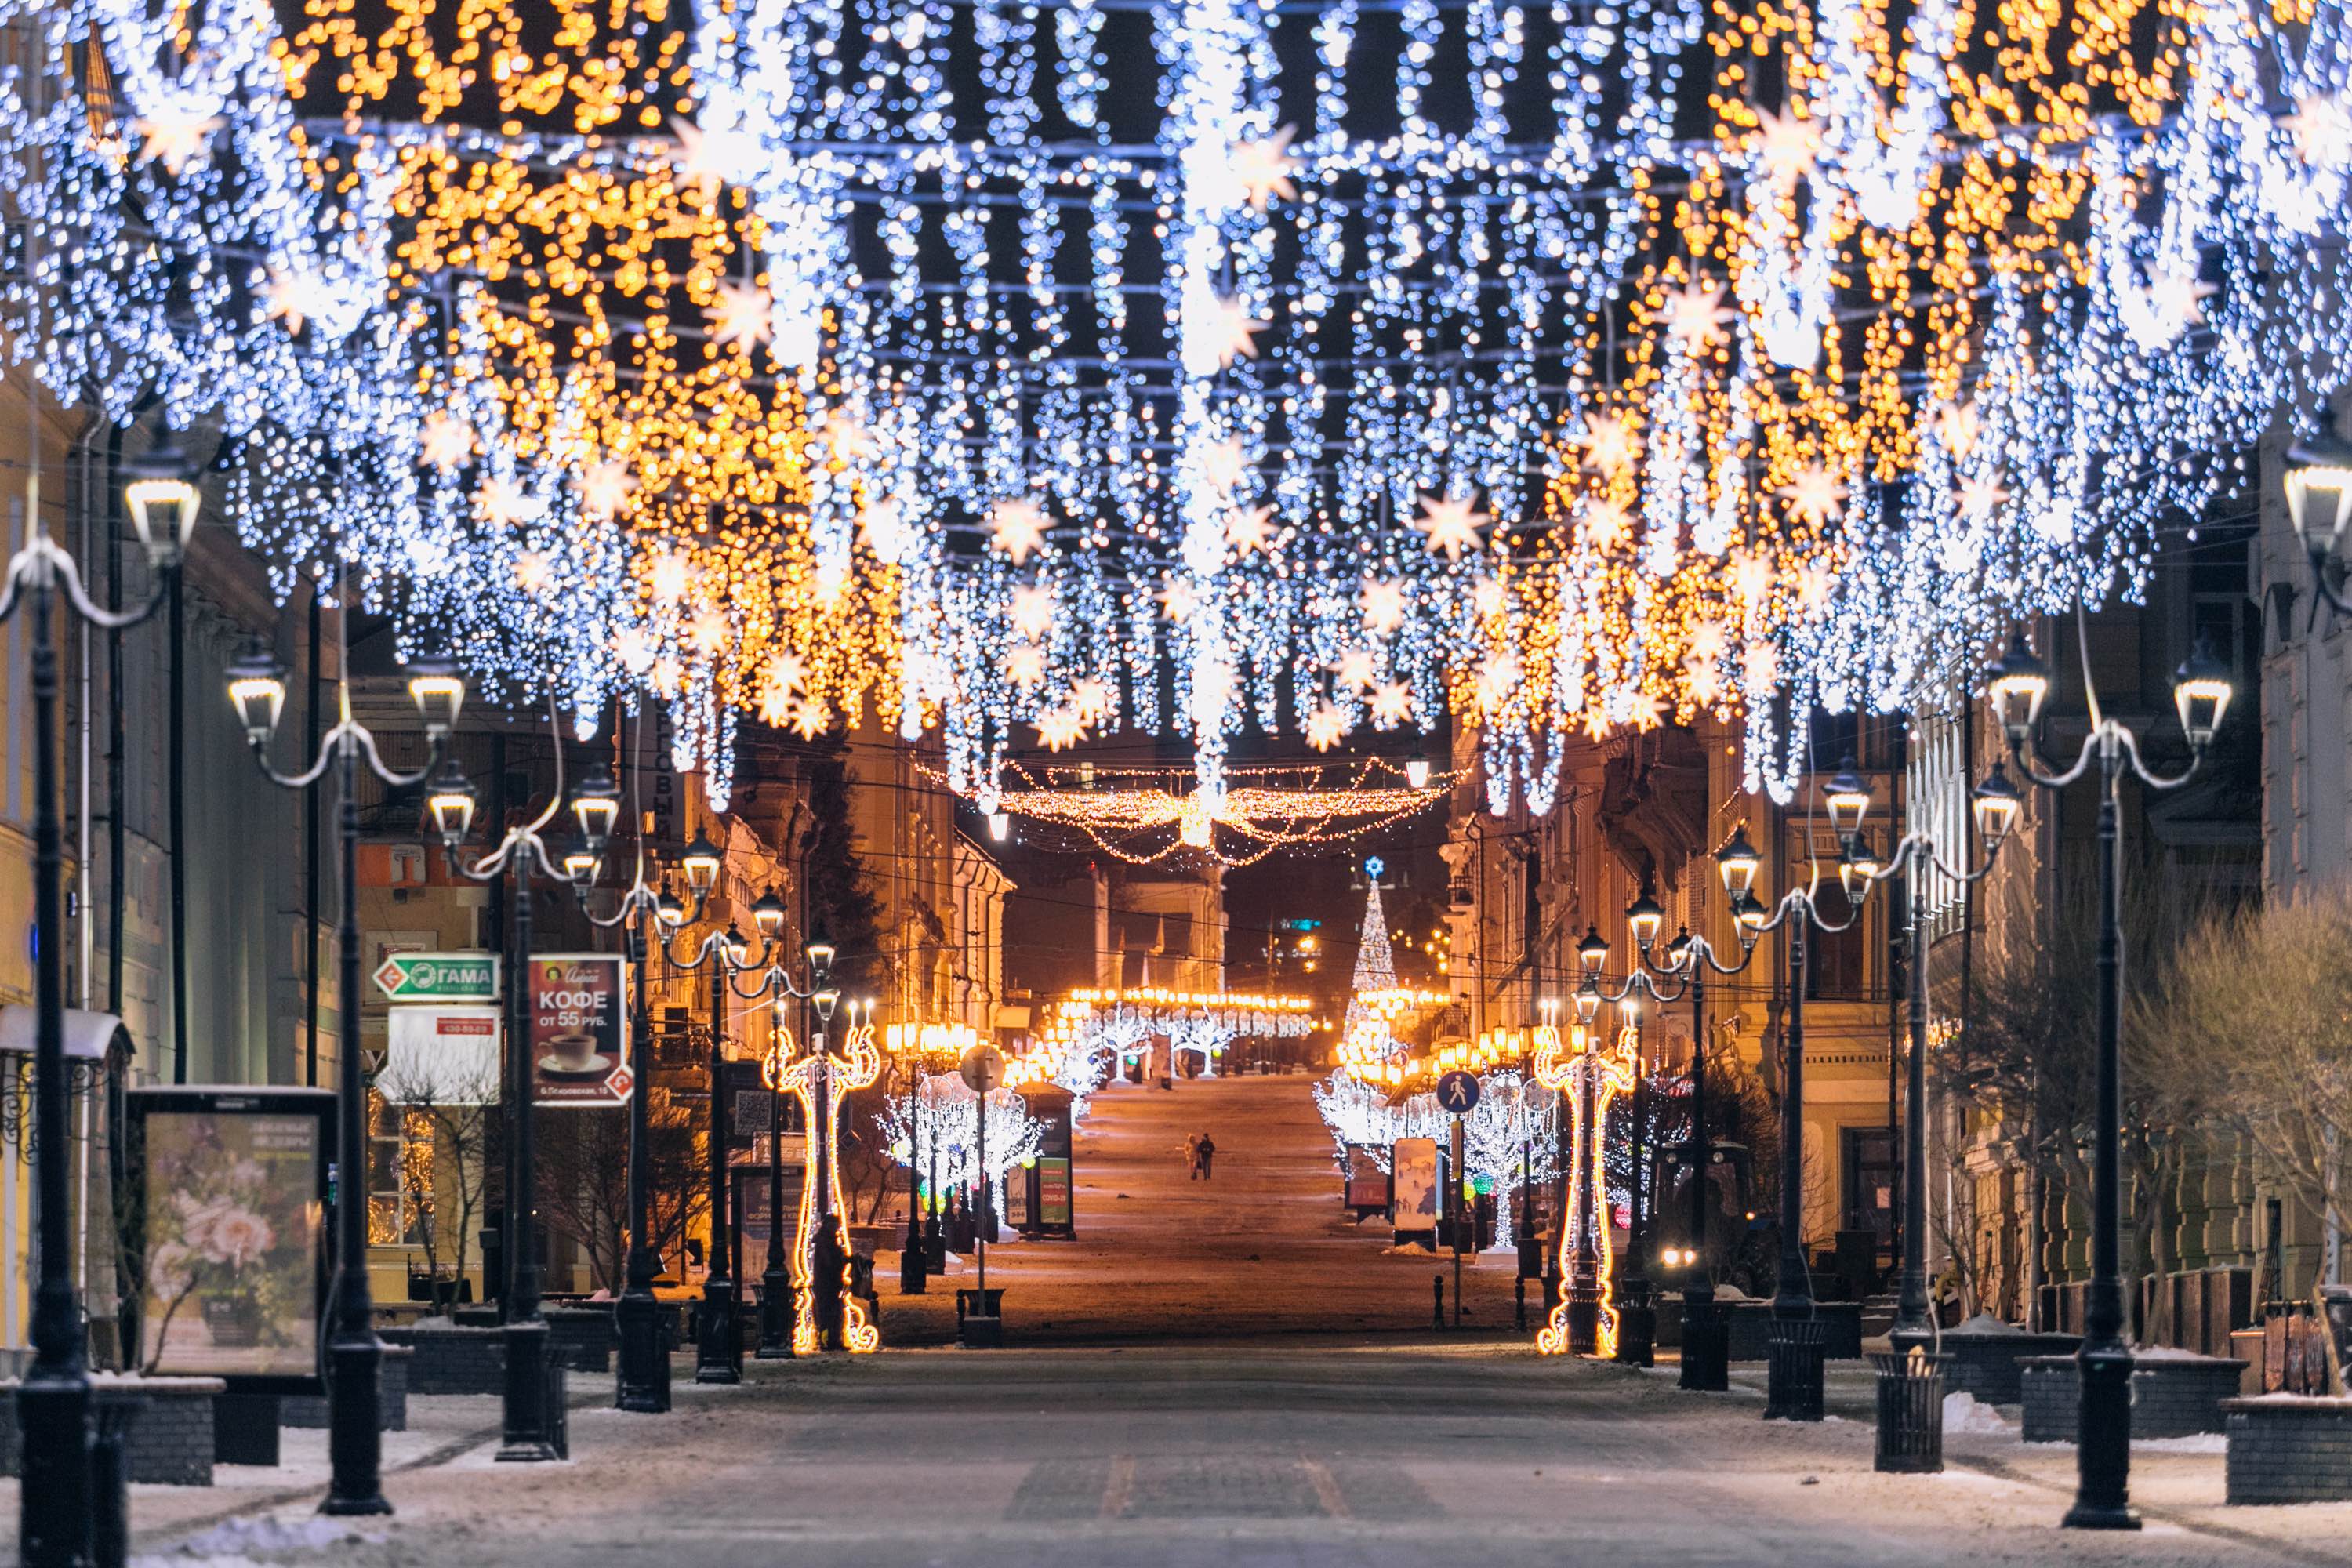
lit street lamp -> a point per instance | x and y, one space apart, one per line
528 1423
257 687
53 1401
1793 1369
2200 694
641 1378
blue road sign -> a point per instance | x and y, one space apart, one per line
1457 1093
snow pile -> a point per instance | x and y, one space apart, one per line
250 1542
1963 1412
1985 1323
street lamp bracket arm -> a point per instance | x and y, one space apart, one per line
330 744
43 563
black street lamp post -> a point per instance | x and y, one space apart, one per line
1793 1375
2200 694
53 1401
355 1356
528 1423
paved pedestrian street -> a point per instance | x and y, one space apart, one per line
1223 1372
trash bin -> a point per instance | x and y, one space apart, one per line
1793 1358
1910 1411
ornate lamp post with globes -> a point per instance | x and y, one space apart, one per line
53 1402
257 687
528 1422
2200 694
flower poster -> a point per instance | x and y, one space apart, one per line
233 1225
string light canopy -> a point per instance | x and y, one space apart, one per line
1143 814
1190 365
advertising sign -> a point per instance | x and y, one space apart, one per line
438 976
751 1210
441 1055
229 1233
578 1029
1415 1162
1368 1184
1053 1192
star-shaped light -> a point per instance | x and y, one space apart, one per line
1251 527
174 134
292 295
708 630
1025 664
1705 684
1707 641
445 441
1979 495
1751 577
1498 680
505 502
1060 726
1814 583
1263 168
1016 526
1223 463
1383 606
1814 493
1957 425
810 718
1646 711
1325 727
1229 330
1488 596
634 649
1392 705
1596 724
1032 614
1091 697
1607 524
669 575
2322 127
787 669
1355 668
709 159
742 313
1786 147
1759 667
605 487
532 572
1695 315
669 673
846 437
1449 524
1609 443
2178 295
1179 599
775 704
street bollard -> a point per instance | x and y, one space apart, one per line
1910 1411
1437 1289
1519 1302
110 1479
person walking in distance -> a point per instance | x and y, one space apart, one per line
1203 1155
1193 1154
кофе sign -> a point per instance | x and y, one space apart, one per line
579 1035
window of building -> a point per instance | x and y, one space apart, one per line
399 1174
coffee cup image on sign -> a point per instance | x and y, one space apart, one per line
573 1053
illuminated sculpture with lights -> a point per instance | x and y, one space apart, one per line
1589 1076
829 1316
